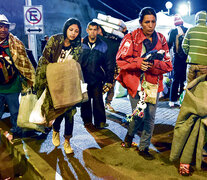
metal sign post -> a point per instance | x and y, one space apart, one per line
33 23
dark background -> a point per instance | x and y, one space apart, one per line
131 8
56 12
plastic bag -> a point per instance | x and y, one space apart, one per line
120 91
26 106
36 116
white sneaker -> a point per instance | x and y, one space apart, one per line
174 104
55 138
171 104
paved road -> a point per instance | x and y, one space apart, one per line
97 153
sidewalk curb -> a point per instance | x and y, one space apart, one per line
30 163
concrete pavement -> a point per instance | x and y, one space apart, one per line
97 153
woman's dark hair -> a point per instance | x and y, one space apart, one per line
68 23
146 11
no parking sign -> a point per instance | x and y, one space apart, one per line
33 20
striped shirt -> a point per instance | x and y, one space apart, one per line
195 41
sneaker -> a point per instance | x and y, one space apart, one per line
171 104
174 104
184 169
55 138
123 144
109 107
102 125
68 149
128 141
146 155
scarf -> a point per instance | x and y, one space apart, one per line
150 45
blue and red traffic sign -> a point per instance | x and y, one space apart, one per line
33 15
33 19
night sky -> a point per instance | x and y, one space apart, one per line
131 8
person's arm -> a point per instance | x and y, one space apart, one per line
40 79
171 39
109 66
24 65
185 43
109 70
124 57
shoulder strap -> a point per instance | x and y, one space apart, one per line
180 30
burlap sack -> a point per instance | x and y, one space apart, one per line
151 92
64 83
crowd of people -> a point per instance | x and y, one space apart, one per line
138 61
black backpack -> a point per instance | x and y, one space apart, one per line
8 71
178 45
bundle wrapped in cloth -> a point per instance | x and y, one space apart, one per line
111 20
111 25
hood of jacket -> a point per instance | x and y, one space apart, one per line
200 18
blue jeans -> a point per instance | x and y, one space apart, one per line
12 100
69 121
148 121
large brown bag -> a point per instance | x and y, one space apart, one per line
64 82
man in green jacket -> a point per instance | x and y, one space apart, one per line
195 46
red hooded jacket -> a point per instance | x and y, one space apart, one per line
129 60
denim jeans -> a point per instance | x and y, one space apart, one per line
12 100
148 122
69 121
